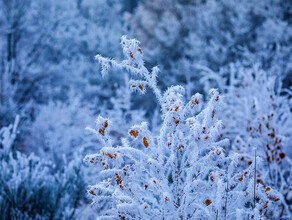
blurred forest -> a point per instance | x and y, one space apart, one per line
52 88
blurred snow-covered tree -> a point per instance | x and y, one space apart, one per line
180 35
58 132
46 49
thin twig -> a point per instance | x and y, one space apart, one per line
193 212
225 217
255 176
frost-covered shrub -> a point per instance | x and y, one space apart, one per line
8 135
59 131
122 112
181 172
30 190
257 114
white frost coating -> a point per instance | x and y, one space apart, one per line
8 134
181 172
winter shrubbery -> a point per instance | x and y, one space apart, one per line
46 54
185 171
47 51
58 132
223 154
29 189
257 114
